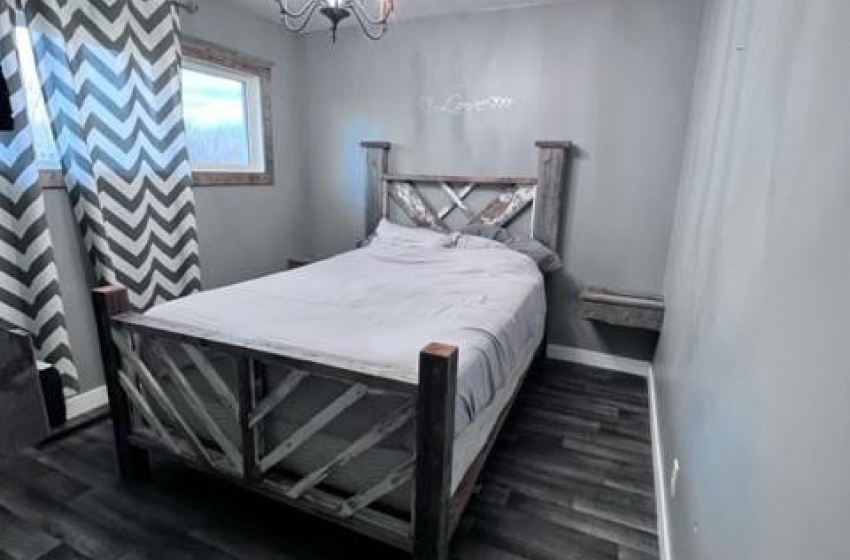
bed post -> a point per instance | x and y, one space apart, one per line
377 165
249 370
552 176
435 424
111 300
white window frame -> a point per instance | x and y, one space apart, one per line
206 57
253 115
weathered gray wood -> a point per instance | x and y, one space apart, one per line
147 412
626 310
457 200
603 295
221 465
247 399
277 396
208 372
505 181
377 165
407 197
108 302
196 405
396 478
623 316
553 166
506 207
23 419
435 421
371 438
130 359
517 193
269 353
308 430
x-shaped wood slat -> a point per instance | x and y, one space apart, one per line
507 206
147 413
208 372
277 396
457 198
197 405
395 479
501 211
313 426
407 197
145 388
366 442
129 358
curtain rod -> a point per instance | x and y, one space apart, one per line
191 6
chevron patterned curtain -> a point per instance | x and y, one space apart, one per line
30 299
110 72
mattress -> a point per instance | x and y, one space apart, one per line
372 310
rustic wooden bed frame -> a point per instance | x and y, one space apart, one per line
139 403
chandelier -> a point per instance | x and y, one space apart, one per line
336 11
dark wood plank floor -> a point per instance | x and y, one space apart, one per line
570 478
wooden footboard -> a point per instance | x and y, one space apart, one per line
143 357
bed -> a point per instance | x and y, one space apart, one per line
323 387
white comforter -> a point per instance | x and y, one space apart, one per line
374 309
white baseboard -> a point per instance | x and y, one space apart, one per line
659 472
598 359
86 402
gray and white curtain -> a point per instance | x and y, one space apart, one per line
110 72
30 298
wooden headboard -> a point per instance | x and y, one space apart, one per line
506 199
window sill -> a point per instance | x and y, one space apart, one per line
231 178
52 179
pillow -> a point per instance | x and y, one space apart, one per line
546 259
476 242
395 234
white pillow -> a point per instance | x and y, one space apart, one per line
474 242
395 234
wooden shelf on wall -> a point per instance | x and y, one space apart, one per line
622 309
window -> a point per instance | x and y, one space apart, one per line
46 153
226 107
220 115
226 110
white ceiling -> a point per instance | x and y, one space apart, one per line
405 9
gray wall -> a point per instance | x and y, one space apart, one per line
244 232
752 371
613 76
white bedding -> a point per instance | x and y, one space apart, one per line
374 309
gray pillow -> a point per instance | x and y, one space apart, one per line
546 259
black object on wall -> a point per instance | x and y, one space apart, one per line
7 121
54 398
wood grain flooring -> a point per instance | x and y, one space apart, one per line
570 478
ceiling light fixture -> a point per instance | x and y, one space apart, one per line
336 11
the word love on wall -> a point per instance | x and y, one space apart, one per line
459 104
